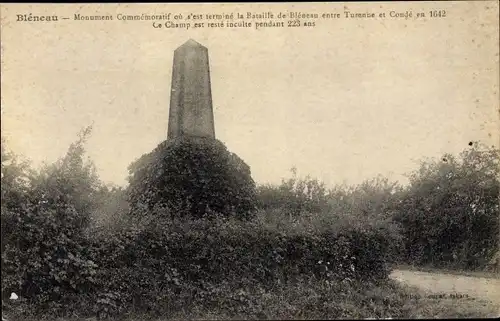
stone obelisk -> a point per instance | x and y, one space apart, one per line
191 112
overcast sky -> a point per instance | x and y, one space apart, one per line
342 101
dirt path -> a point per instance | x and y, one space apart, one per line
440 283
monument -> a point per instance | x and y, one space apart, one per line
191 113
191 172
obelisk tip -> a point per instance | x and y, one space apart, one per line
192 43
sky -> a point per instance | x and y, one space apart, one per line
344 101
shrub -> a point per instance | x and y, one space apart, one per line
173 257
297 195
372 199
450 211
192 176
44 217
16 177
181 262
71 180
110 212
45 255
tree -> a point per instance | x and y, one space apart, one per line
450 210
70 180
294 195
43 220
16 176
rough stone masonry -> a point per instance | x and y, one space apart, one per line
191 111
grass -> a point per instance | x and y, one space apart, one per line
314 299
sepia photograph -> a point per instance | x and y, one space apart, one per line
264 161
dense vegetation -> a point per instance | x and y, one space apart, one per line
193 177
450 211
192 233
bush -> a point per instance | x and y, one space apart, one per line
16 177
174 265
44 217
178 263
192 176
174 257
110 212
374 198
45 255
450 211
71 180
297 195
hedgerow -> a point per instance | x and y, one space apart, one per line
169 265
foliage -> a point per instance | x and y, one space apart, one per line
16 178
450 211
43 221
302 196
297 195
312 299
372 199
308 252
45 256
111 205
192 176
71 180
176 263
184 262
